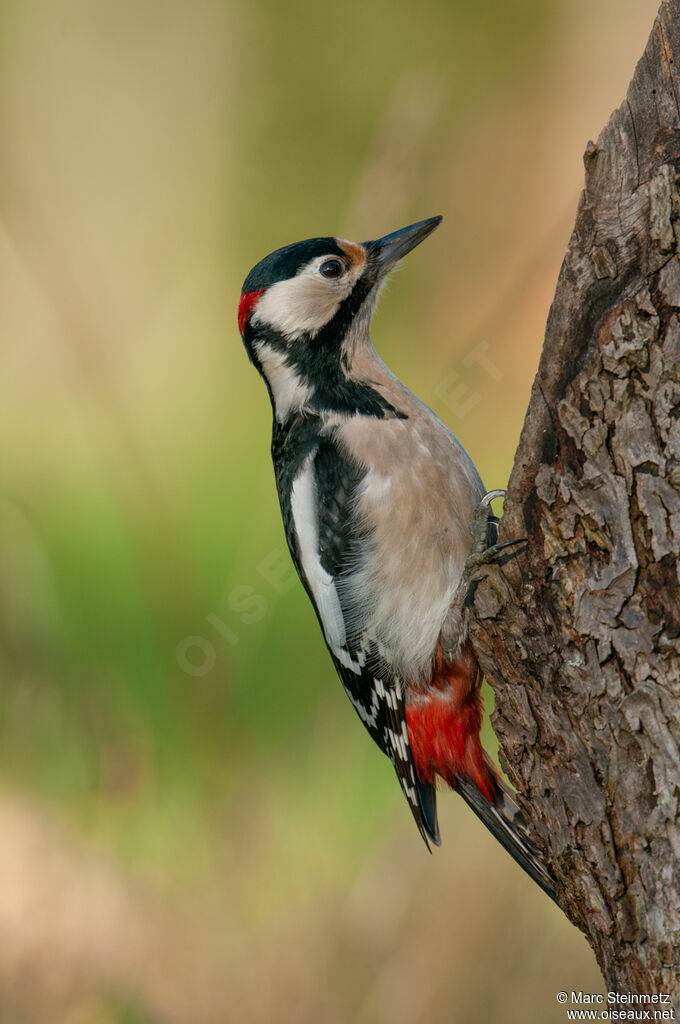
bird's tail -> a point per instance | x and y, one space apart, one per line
505 820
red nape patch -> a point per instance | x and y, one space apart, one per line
443 725
246 307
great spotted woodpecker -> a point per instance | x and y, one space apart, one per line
377 498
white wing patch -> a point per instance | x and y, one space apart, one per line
368 717
304 507
400 742
388 695
405 764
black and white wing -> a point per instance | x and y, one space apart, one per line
325 543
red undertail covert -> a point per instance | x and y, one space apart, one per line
444 723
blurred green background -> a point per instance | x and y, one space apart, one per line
193 825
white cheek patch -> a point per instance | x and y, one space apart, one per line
289 392
305 303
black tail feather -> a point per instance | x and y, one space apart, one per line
427 798
506 822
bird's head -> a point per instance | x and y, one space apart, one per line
304 306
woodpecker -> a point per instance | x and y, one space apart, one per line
377 498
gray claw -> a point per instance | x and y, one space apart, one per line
491 496
480 555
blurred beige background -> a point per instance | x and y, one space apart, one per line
193 825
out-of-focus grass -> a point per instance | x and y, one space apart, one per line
151 153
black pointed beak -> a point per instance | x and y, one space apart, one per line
385 252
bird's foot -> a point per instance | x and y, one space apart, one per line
485 547
485 551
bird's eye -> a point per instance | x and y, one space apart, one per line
331 268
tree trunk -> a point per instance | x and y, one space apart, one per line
580 635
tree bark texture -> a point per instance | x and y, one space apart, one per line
580 635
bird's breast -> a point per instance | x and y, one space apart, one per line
413 510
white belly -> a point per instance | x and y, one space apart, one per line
415 506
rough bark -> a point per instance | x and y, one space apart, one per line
580 636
